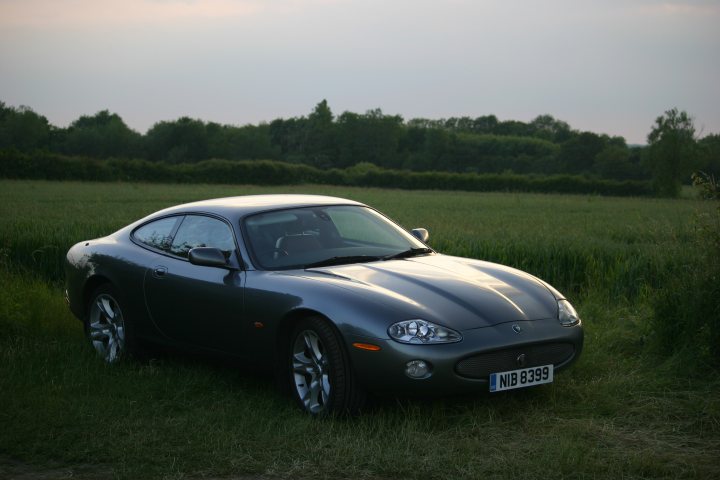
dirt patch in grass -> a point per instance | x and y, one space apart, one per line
12 469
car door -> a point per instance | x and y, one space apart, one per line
198 305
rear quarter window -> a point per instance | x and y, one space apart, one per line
156 234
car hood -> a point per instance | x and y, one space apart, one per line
455 292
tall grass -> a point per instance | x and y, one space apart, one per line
577 243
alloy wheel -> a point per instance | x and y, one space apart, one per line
311 372
106 328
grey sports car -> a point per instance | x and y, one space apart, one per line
327 293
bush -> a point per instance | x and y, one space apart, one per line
686 321
49 166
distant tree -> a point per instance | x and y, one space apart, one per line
485 124
425 123
614 162
319 143
412 138
672 151
235 143
241 143
512 127
288 136
23 129
372 137
321 114
549 128
101 135
616 141
411 146
710 155
437 150
312 139
218 144
184 140
577 155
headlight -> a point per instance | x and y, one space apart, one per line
567 314
420 331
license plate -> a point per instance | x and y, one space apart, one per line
524 377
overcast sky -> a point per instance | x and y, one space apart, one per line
609 66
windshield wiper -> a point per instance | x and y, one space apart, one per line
328 262
409 253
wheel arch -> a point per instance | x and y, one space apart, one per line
285 328
90 286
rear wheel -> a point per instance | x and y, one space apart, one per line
106 326
321 379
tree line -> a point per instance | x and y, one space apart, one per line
482 145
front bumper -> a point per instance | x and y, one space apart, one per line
483 348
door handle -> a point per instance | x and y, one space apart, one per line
159 271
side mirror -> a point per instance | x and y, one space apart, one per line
207 257
421 234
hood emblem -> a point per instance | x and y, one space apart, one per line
520 360
516 328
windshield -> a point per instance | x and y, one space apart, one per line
300 237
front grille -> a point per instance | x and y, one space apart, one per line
482 365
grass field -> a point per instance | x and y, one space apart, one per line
622 411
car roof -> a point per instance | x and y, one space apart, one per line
248 204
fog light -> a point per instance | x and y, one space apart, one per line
417 369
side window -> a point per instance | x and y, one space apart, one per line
156 234
200 231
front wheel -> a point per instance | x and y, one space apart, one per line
321 379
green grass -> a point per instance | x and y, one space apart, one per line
621 411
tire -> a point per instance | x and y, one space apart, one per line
321 379
107 327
